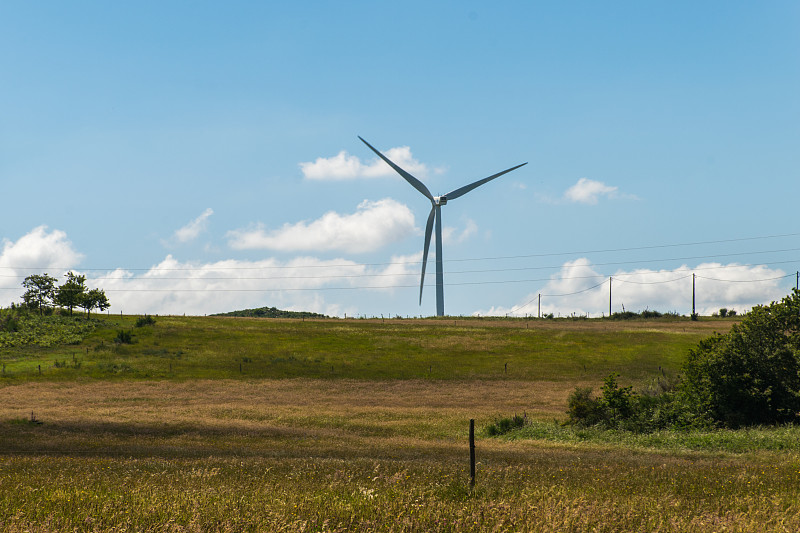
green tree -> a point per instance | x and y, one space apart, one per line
94 299
751 375
70 293
40 291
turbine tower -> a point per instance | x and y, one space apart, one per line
436 215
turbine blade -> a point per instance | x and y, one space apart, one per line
428 230
466 188
408 177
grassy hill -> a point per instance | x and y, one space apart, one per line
442 349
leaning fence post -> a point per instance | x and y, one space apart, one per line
471 452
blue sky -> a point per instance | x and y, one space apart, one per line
199 157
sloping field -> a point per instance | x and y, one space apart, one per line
215 347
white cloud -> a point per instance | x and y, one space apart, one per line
373 225
175 287
344 166
588 191
193 229
451 235
580 289
39 251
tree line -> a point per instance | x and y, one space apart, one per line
42 293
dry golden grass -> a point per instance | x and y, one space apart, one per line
351 455
393 408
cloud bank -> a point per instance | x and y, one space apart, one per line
373 225
307 283
39 251
175 287
578 288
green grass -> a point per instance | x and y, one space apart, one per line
216 347
755 439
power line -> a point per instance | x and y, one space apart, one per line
526 256
650 282
746 280
477 271
619 276
414 286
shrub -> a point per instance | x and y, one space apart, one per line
9 322
615 406
650 314
502 426
618 401
123 337
662 405
751 375
145 320
583 409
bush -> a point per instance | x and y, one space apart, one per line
123 337
583 409
751 375
502 426
145 320
611 410
617 401
662 405
650 314
9 322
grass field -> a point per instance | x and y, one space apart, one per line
368 447
215 348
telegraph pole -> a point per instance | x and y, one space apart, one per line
540 305
693 312
609 296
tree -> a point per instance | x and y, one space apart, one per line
94 299
751 375
70 293
40 291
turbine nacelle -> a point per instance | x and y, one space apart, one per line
440 200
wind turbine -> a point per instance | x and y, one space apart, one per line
436 215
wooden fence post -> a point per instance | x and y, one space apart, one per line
471 452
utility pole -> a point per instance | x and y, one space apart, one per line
540 305
693 278
609 296
797 281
